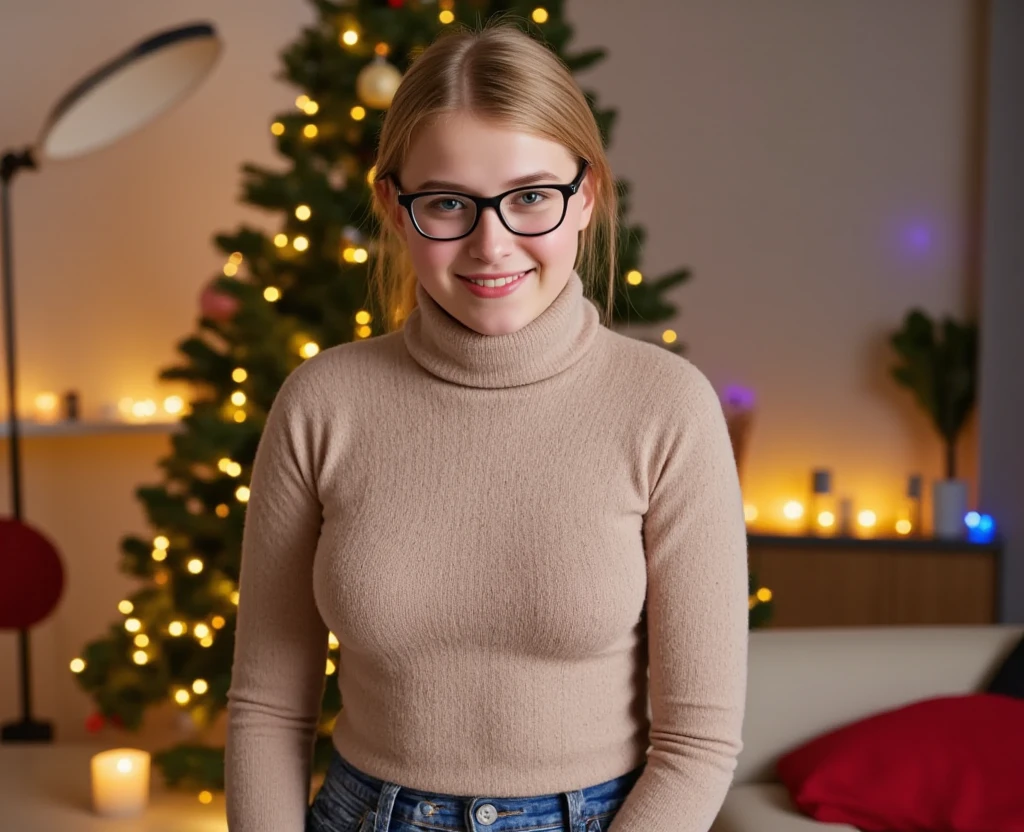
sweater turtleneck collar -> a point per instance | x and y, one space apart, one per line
554 341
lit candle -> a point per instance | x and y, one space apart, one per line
46 407
120 782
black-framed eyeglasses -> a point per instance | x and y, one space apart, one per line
529 211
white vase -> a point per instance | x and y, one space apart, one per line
949 505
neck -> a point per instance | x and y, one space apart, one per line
551 343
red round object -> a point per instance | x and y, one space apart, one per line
31 576
94 723
216 305
396 4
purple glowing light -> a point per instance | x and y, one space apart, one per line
739 397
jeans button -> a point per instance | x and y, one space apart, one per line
487 814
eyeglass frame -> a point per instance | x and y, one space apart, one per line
483 202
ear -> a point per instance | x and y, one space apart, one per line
388 197
588 192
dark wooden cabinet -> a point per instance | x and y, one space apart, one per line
845 582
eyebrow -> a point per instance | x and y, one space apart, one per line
529 179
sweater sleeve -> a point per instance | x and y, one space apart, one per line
697 622
280 652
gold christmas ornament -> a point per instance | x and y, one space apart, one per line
376 83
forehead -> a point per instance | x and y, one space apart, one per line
480 155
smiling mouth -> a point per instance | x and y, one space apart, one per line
497 281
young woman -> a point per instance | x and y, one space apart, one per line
525 529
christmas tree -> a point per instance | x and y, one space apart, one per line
284 295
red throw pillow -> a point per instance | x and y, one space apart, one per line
952 763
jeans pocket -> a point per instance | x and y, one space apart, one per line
328 814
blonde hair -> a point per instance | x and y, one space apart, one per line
503 75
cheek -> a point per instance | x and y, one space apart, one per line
557 247
429 255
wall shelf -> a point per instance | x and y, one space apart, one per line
85 427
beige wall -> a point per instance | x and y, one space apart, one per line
780 149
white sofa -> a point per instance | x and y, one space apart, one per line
803 682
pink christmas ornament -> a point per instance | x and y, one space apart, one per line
216 305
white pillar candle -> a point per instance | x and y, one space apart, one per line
120 782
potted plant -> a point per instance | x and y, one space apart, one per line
939 366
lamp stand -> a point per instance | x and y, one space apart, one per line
27 729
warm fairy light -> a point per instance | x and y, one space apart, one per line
669 336
140 657
206 641
310 131
360 255
160 578
205 797
174 405
277 128
280 240
161 542
303 212
239 416
382 49
749 512
300 243
200 686
239 375
311 108
540 15
230 269
201 631
348 254
358 113
362 317
142 640
271 294
143 409
176 628
238 398
233 470
223 510
47 407
125 607
826 519
234 597
634 278
195 566
332 641
77 665
218 621
242 494
223 463
236 257
182 696
159 555
903 526
302 101
446 17
364 332
793 510
132 625
350 37
309 349
764 595
331 667
867 518
370 174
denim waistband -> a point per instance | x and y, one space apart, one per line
579 810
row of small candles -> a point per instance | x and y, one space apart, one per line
47 408
826 521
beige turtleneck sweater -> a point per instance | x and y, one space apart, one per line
504 533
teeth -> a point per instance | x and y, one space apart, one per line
501 281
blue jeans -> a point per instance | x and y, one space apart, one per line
352 801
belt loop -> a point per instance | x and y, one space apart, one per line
576 802
385 804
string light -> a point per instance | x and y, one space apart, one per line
764 595
540 15
125 606
358 113
309 349
382 49
140 657
77 665
239 375
310 131
793 510
242 494
234 597
446 17
280 240
364 332
174 405
182 696
633 277
749 512
195 566
230 269
176 628
302 101
363 317
272 294
236 257
669 336
311 108
826 519
218 621
133 625
371 173
303 212
238 398
332 641
277 128
206 642
201 631
350 37
205 797
239 416
141 640
331 667
867 518
360 255
903 526
223 510
300 243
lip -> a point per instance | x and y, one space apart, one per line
496 291
494 276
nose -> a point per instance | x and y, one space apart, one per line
490 240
